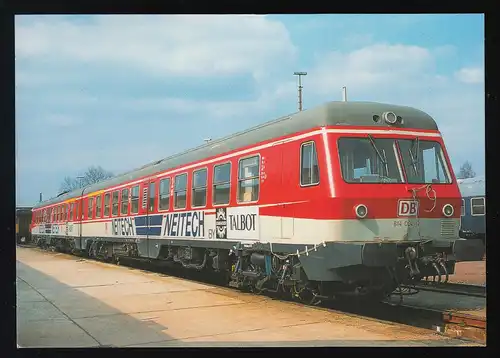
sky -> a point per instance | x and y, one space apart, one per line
121 91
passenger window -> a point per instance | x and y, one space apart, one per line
180 191
90 207
477 206
433 166
134 200
98 206
309 170
221 184
164 194
152 195
124 209
462 208
106 204
248 179
114 210
199 197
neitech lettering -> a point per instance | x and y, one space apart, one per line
187 224
242 222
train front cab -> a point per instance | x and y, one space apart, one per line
396 207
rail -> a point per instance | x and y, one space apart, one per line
452 288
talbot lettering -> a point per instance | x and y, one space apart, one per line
242 222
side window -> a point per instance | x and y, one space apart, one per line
90 207
248 179
309 171
152 195
180 191
98 206
65 212
462 208
477 206
114 204
106 204
164 194
134 200
199 197
124 209
221 184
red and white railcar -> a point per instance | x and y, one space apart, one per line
345 197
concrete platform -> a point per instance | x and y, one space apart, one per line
64 301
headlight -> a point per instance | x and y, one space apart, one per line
390 117
448 210
361 211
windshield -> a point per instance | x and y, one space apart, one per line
369 160
424 161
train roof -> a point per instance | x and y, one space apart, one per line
328 114
472 186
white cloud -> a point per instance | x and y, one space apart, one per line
470 75
380 66
185 45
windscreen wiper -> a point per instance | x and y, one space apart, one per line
382 157
414 158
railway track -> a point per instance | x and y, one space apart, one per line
452 288
402 313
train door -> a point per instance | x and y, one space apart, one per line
79 222
278 169
141 220
154 220
287 183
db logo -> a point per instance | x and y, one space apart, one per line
407 208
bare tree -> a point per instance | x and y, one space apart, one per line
92 175
466 171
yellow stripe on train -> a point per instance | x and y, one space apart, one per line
98 192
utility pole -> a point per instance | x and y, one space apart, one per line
344 94
300 74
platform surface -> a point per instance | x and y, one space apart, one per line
65 301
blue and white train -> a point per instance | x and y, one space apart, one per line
473 210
